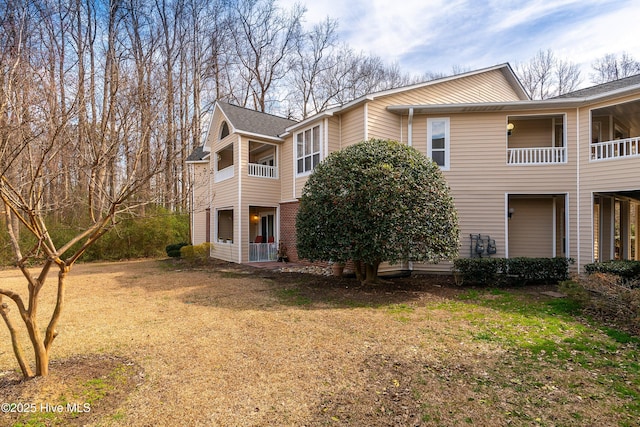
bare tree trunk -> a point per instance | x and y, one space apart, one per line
15 342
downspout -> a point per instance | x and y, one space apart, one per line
506 225
578 195
326 139
340 131
410 143
239 169
366 121
554 228
410 128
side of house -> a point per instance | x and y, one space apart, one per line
557 177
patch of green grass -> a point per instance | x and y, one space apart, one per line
95 390
118 416
232 274
399 312
400 308
621 337
546 331
471 294
292 296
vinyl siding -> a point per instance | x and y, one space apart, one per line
601 176
382 124
287 179
531 133
352 126
485 87
224 194
200 202
480 178
335 129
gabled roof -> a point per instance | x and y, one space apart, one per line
253 122
576 99
198 154
505 69
604 88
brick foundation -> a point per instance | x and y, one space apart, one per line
288 212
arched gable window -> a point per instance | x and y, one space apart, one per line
224 130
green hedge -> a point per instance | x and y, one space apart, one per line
511 271
624 269
175 250
627 272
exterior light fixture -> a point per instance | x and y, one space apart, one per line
510 127
511 211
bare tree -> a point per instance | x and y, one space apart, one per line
313 59
265 38
611 67
545 76
38 129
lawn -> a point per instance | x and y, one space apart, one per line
153 343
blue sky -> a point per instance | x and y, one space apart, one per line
436 35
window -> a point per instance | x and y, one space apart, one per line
308 149
225 226
224 130
438 141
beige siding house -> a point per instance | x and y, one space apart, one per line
558 177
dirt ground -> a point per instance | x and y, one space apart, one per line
153 343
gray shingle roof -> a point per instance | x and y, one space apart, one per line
197 154
603 88
244 119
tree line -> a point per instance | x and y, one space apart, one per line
122 76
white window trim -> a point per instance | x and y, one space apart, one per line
295 150
216 220
447 140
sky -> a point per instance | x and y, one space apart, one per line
436 35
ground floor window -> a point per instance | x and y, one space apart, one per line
225 225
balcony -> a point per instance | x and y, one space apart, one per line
263 171
618 149
223 174
537 156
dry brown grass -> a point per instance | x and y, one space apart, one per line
244 347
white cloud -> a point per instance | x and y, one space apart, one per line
436 35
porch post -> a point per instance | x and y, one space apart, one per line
625 228
637 232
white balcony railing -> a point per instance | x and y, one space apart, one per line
620 148
223 174
260 252
263 171
536 155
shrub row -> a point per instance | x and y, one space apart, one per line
628 272
175 250
199 252
511 271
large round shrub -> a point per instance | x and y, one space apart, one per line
377 201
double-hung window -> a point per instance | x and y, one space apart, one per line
307 150
438 141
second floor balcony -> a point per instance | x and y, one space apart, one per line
536 140
617 149
536 155
262 160
263 171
